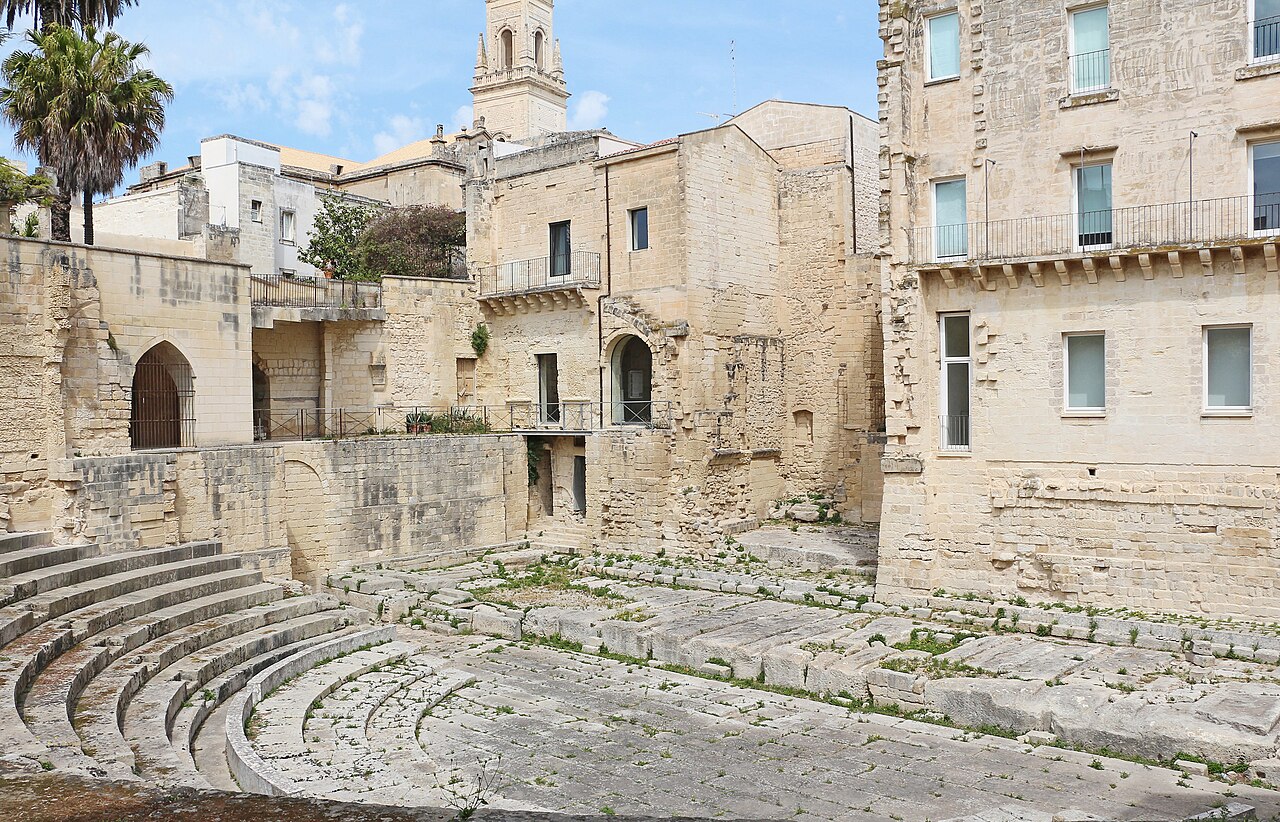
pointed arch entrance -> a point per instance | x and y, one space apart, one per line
162 403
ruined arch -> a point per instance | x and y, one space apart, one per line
162 400
631 371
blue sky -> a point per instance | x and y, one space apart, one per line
357 78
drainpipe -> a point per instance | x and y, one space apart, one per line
608 284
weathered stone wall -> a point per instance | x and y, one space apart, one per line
427 330
333 504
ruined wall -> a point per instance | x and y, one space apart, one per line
291 355
634 499
333 504
427 330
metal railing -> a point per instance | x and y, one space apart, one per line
577 269
1186 223
282 291
523 417
1266 38
1090 71
955 432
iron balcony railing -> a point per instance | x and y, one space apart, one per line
524 417
1266 38
955 432
577 269
281 291
1187 223
1091 71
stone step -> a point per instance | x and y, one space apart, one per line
193 721
253 773
20 540
23 659
43 581
102 709
18 619
50 702
44 556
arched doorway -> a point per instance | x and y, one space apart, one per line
162 405
261 404
632 382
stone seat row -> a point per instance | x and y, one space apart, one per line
109 663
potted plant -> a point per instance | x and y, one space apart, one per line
418 423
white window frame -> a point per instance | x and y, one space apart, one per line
1083 411
1253 194
1256 59
1224 410
944 383
255 211
293 214
1075 205
631 228
937 224
1071 49
928 46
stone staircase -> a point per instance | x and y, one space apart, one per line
562 536
111 663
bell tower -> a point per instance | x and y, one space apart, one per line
519 84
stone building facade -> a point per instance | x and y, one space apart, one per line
689 329
1081 227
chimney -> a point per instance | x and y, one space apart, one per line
194 161
153 172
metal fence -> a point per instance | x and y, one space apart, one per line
1200 221
1090 71
1266 38
282 291
523 417
162 405
578 269
955 432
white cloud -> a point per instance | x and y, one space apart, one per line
590 111
343 44
308 99
401 131
464 118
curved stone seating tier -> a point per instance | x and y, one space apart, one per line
23 659
340 660
20 540
44 556
62 575
102 706
175 705
18 619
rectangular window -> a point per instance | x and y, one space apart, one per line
950 218
255 211
1086 383
1228 368
561 250
1093 206
942 39
288 227
1264 29
549 387
639 229
1090 50
1264 168
957 376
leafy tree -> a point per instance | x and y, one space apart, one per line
416 241
86 109
49 13
17 188
334 239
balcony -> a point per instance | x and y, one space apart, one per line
1242 225
279 298
544 282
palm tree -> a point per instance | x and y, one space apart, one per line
87 111
50 13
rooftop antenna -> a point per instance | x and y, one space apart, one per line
733 63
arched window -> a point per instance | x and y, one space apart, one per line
508 49
162 404
632 382
538 41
